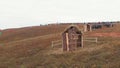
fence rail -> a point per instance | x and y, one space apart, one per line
91 39
59 42
55 43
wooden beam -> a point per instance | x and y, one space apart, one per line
67 40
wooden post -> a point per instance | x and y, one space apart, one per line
90 27
85 28
82 41
96 40
62 44
52 44
67 40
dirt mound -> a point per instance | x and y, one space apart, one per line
113 34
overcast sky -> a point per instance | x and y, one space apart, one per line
20 13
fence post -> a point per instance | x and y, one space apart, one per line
82 41
85 27
96 40
62 43
52 44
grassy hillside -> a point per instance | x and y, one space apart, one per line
30 47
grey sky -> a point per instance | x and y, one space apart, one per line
20 13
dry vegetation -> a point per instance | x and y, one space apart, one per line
29 47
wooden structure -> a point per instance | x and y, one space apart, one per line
72 38
92 26
85 27
89 27
107 24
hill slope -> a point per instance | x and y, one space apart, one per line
30 47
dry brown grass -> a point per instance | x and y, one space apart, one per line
29 48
